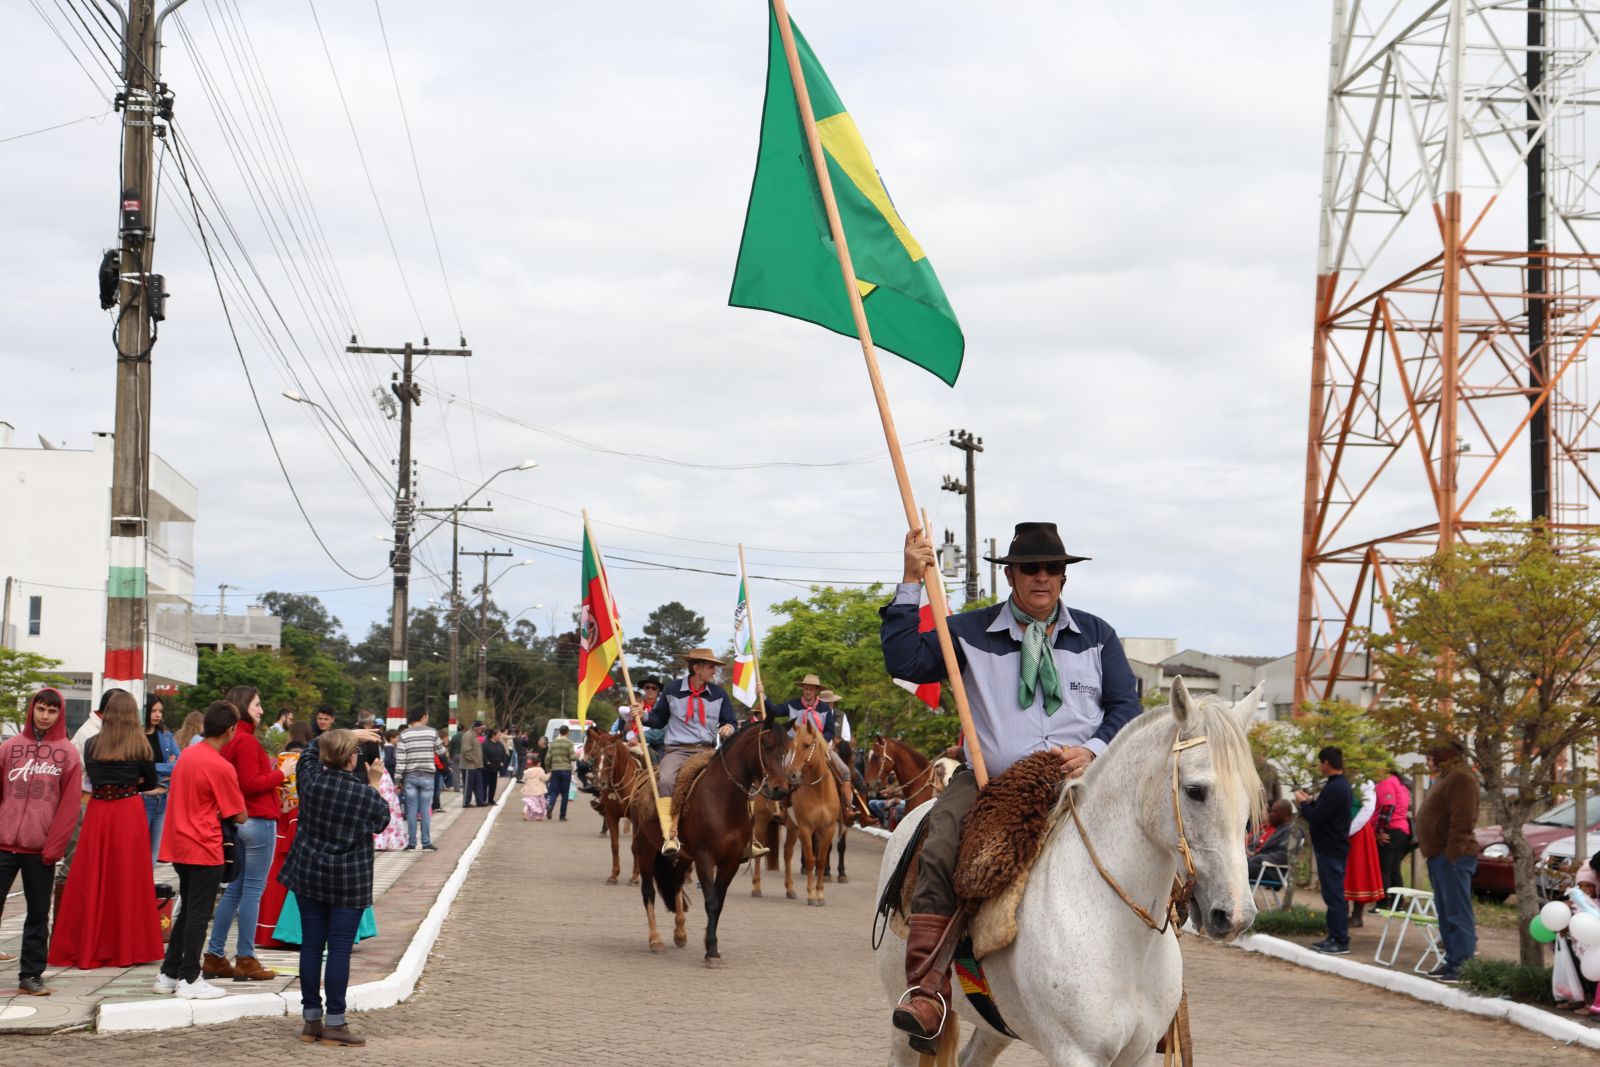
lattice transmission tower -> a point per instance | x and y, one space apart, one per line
1458 293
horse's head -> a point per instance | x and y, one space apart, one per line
807 749
771 751
1208 804
879 766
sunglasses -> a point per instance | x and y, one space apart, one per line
1054 568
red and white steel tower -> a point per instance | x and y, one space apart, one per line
1458 293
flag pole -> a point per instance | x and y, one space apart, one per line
627 680
755 655
931 579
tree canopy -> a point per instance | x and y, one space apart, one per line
669 632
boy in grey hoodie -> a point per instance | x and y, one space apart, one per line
40 776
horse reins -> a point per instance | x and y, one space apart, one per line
1182 889
906 789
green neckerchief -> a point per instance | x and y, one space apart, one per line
1038 663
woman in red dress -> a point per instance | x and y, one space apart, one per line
107 916
1363 873
272 896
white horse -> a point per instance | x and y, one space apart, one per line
1087 982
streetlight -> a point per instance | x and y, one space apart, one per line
525 465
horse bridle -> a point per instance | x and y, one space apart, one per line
909 787
754 787
1182 889
806 760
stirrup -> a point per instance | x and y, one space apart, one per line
928 1045
671 846
755 850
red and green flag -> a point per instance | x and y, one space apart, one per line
597 629
787 259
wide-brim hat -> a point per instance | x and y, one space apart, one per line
651 680
1036 542
703 655
811 679
827 696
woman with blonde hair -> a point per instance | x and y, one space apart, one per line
107 916
189 733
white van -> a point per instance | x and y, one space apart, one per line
575 732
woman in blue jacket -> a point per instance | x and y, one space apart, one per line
164 753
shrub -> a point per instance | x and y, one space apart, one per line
1504 978
1292 922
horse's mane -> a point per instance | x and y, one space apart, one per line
1232 763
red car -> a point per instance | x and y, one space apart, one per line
1494 878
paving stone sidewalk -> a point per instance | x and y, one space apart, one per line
537 954
404 884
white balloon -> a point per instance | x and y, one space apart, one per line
1591 966
1556 915
1585 929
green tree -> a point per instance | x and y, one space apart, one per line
21 675
1497 643
669 632
1292 745
834 634
218 671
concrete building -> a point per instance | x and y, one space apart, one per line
254 631
55 546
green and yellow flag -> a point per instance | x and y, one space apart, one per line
787 260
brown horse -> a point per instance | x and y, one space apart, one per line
713 827
813 811
766 828
910 769
617 775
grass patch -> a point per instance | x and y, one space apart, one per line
1289 922
1503 978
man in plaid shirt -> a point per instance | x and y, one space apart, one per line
329 869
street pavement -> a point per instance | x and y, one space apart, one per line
541 963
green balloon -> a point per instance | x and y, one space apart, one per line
1540 931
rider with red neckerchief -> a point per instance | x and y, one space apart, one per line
1039 676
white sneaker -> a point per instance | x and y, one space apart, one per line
199 989
163 984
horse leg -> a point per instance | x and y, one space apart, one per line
825 854
714 889
616 859
844 833
755 866
983 1048
901 1054
647 889
788 859
680 915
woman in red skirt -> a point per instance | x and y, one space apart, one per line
1363 873
272 896
107 916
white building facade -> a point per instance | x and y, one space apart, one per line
55 547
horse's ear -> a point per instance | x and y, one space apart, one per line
1182 702
1245 710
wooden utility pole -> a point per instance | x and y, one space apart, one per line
455 602
483 621
409 394
138 296
971 446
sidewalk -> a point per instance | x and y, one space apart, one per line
404 887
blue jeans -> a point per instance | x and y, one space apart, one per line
1330 872
155 816
418 800
242 898
1452 897
560 786
325 925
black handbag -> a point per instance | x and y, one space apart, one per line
231 866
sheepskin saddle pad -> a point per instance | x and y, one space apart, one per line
688 775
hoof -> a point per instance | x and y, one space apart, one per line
634 880
822 901
612 880
658 946
755 892
810 903
844 879
680 939
827 878
789 893
714 962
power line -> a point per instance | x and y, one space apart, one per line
48 21
58 126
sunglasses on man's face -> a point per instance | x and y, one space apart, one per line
1054 568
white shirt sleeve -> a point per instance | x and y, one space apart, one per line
1369 804
844 727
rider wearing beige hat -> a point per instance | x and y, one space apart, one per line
814 706
695 712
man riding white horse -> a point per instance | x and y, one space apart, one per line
1039 677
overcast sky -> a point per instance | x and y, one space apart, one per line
1119 199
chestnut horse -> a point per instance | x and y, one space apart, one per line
617 775
813 810
911 770
713 828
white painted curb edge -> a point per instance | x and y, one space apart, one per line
169 1013
1524 1015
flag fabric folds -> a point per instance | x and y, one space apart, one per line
599 644
927 692
744 659
787 259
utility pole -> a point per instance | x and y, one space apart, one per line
455 601
994 571
971 446
5 614
483 620
409 394
127 284
222 608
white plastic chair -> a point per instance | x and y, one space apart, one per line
1419 912
1263 885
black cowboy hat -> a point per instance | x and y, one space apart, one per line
652 680
1036 542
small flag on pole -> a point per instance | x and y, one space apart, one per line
927 692
744 658
787 259
597 630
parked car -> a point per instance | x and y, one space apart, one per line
1556 862
1494 878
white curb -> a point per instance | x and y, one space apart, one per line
1526 1016
169 1013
